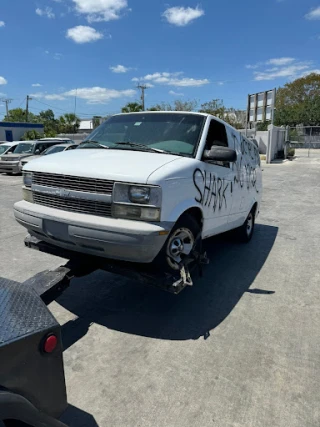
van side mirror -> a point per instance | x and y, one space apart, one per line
221 154
37 151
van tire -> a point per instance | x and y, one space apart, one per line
245 232
185 232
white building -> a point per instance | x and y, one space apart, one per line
12 131
85 126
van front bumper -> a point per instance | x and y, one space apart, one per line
133 241
9 167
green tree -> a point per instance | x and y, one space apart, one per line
50 123
19 115
69 123
298 102
31 135
96 121
214 107
132 107
262 126
178 105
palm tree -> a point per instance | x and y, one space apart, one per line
69 123
132 107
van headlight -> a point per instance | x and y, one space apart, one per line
140 202
27 179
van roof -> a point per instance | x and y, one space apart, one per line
166 112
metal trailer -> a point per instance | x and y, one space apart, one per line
32 382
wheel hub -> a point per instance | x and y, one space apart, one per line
179 245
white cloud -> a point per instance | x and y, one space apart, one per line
280 61
252 66
3 81
36 85
172 92
101 10
93 95
306 73
182 16
289 71
45 12
49 97
220 83
47 52
313 14
188 82
120 69
57 56
283 67
100 95
2 24
172 79
83 34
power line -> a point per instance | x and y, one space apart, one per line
7 102
27 107
143 88
65 111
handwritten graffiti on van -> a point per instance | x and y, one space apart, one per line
212 190
245 175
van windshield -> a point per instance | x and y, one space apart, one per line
24 147
174 133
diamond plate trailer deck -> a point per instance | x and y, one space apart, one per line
32 383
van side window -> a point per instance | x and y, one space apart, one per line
217 135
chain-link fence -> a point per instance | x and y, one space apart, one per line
305 140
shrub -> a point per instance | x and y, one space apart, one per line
290 152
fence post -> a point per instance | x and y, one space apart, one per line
286 142
309 141
270 143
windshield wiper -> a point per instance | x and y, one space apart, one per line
91 141
145 147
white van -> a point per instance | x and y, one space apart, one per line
144 187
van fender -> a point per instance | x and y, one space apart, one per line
181 208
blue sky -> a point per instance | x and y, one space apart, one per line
183 49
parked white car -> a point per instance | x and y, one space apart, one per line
143 187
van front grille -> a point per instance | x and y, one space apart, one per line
76 183
73 205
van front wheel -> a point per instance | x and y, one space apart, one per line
179 244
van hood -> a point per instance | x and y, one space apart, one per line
115 165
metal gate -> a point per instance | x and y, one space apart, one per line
305 140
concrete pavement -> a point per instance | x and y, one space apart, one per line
239 349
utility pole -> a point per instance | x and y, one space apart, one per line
7 102
142 88
27 107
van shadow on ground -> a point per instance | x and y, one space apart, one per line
127 306
74 417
